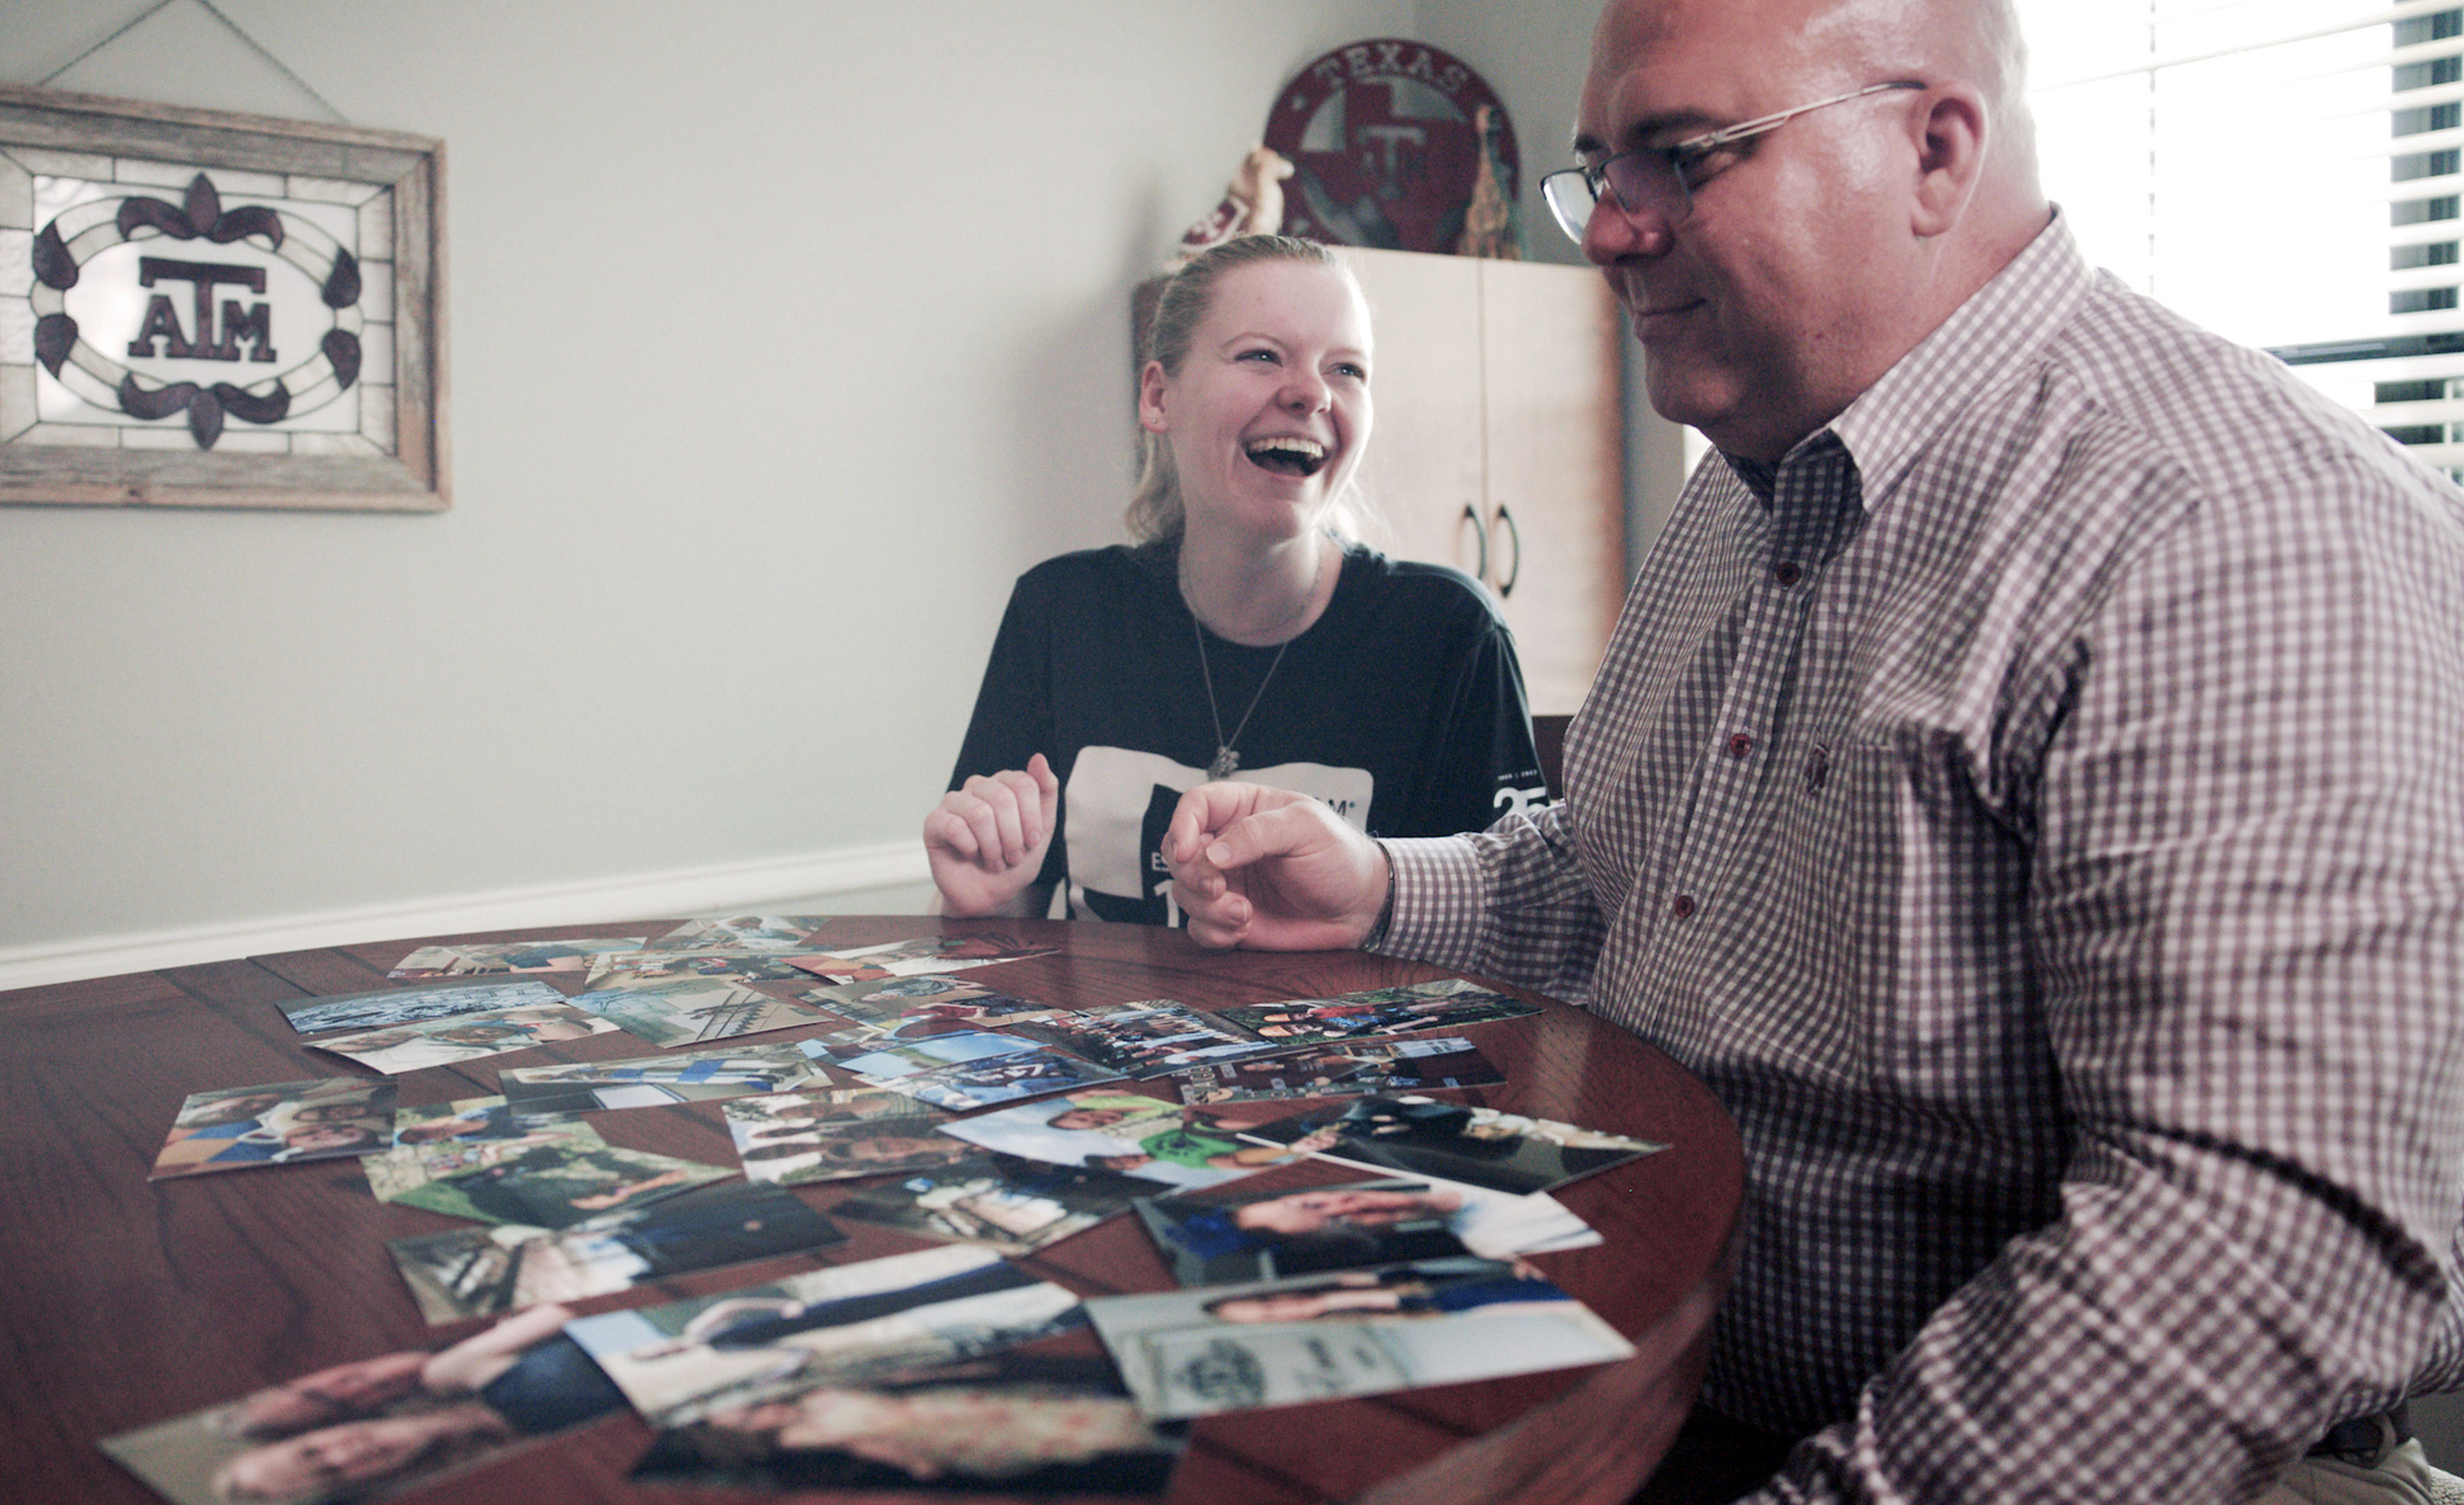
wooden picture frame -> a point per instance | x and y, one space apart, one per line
319 380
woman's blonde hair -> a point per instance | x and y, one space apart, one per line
1154 510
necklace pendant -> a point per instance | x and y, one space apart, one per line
1225 761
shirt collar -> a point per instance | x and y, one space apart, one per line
1998 329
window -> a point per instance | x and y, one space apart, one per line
2281 171
2424 75
2415 391
2435 118
2423 165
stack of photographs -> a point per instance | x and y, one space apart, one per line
944 1369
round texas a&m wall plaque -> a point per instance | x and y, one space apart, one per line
1384 146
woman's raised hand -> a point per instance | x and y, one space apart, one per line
987 839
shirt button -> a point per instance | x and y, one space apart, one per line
1787 572
1740 744
1681 906
1817 766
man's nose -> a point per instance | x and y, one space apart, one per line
1615 233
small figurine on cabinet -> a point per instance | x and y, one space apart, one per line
1489 227
1253 204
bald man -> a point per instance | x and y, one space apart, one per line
2024 785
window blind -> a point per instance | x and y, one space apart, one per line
2285 173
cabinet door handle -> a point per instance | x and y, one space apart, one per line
1471 515
1513 535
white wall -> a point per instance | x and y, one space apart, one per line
783 334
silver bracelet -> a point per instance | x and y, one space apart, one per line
1376 935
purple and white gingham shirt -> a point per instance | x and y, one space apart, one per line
2039 819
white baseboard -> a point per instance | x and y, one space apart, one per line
682 891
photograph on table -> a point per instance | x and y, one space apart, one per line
926 1004
1448 1003
1006 1202
550 1094
690 1009
742 933
553 1178
469 1037
686 1360
433 1154
1017 1421
376 1426
1346 1069
1146 1038
826 1103
973 1069
391 1006
1226 1235
791 1138
479 960
1423 1137
232 1129
487 1272
1147 1138
466 1121
1321 1338
927 954
631 968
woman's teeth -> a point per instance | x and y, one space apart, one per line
1288 456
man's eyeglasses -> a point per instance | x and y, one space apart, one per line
1656 181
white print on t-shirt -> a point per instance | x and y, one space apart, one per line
1113 795
1515 801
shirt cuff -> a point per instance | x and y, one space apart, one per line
1435 902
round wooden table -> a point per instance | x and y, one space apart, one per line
127 1303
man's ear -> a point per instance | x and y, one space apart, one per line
1151 388
1951 158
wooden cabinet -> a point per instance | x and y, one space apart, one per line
1500 444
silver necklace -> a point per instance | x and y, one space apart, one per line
1226 760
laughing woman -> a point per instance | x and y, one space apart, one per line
1241 636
